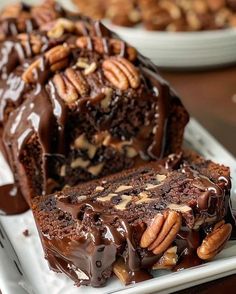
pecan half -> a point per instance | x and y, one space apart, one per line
57 58
121 73
215 241
115 46
152 230
77 80
65 89
161 232
30 42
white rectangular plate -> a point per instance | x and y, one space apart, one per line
39 279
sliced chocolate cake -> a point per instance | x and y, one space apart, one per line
84 106
168 214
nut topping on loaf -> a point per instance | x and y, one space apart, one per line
121 73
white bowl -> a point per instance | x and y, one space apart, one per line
182 49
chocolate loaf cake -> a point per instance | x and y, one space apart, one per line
85 105
167 214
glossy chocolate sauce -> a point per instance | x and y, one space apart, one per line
213 201
188 242
11 200
106 239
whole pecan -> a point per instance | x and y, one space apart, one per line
215 241
161 232
70 85
77 80
56 58
115 46
149 236
121 73
65 89
30 40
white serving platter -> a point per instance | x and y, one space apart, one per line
38 279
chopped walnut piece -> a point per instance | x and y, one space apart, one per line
125 199
82 143
143 197
105 103
131 152
63 170
99 189
96 169
90 69
107 198
123 188
79 162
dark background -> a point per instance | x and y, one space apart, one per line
210 97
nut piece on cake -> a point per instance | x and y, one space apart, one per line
138 229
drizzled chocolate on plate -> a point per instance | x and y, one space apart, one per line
164 215
78 103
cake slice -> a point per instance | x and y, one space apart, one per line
85 108
167 214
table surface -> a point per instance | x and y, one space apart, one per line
210 97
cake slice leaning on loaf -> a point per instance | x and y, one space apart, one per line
167 214
91 106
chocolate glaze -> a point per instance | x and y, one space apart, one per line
188 242
37 112
11 200
10 26
107 242
213 200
